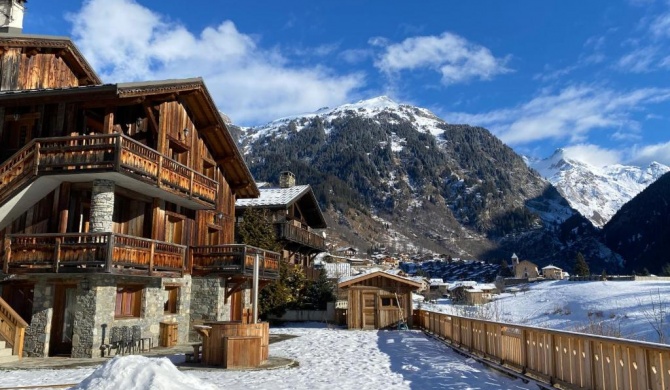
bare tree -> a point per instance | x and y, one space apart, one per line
655 314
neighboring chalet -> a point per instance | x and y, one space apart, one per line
116 205
295 214
378 300
552 272
346 251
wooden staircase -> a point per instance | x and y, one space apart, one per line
12 332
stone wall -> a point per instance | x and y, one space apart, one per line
36 341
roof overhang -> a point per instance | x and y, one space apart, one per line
192 93
396 278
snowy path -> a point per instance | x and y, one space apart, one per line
334 359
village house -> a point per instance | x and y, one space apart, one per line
346 251
296 216
117 205
552 272
524 269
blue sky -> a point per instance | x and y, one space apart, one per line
590 76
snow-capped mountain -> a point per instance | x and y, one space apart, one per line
395 175
596 192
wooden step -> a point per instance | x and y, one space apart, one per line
9 359
5 352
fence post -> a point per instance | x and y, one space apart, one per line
57 255
8 254
152 252
110 253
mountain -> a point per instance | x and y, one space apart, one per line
596 192
397 176
640 230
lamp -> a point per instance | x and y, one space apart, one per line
186 132
219 216
16 116
138 124
85 284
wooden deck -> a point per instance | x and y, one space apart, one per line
303 237
103 153
91 252
568 359
234 260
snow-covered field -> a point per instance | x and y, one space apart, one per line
329 359
625 307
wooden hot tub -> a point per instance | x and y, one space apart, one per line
233 344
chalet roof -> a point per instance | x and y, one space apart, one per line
283 198
346 282
63 47
551 267
191 92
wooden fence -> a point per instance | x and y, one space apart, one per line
12 328
570 360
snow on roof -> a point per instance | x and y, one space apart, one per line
550 267
348 280
487 286
274 197
139 372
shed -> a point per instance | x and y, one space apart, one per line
378 300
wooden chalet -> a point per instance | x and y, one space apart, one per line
295 214
378 300
117 205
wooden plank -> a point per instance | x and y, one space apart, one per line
10 63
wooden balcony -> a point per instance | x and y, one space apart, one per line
301 237
91 252
234 260
101 154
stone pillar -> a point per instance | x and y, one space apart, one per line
36 341
102 206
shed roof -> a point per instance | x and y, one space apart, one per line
347 282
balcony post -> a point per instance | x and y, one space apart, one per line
152 252
57 255
110 253
254 290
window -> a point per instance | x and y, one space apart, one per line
171 298
174 228
128 301
388 301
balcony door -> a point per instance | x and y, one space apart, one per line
18 131
174 228
62 324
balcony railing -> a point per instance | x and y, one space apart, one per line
91 252
101 153
296 234
234 260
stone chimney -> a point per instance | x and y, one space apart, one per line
286 179
11 16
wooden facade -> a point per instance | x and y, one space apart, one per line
378 300
175 174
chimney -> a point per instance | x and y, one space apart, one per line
286 179
11 16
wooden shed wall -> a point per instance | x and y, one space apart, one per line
365 309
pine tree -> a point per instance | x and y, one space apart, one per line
581 266
320 292
256 229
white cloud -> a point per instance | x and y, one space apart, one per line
455 58
639 60
646 154
571 114
125 41
593 154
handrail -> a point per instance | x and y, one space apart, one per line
98 252
569 359
104 151
12 328
234 258
303 236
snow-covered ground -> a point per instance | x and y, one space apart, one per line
329 359
616 307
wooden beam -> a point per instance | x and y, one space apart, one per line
149 110
239 186
209 129
225 159
235 288
108 124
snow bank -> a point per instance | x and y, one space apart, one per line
139 372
